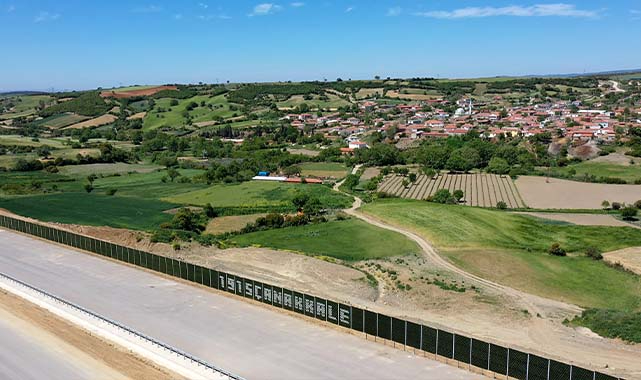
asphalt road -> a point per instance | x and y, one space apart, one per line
28 353
252 341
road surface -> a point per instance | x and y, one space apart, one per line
252 341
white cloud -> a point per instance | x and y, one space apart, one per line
349 9
393 12
203 5
265 9
148 9
537 10
213 17
297 4
46 16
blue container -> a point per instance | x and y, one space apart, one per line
263 174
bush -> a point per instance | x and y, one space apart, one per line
629 213
458 195
210 211
442 196
501 205
176 246
605 205
557 250
593 253
616 206
112 191
637 204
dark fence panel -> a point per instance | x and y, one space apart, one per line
462 346
516 364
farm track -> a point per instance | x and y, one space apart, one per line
534 304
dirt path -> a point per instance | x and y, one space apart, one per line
74 344
616 86
544 332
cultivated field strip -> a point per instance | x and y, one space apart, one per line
481 189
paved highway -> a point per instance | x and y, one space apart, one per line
29 353
252 341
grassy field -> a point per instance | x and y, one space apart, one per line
512 249
603 169
85 170
334 102
25 105
61 121
324 169
148 185
258 193
349 240
175 118
92 209
28 141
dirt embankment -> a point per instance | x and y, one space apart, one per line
75 344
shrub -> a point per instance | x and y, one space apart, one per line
501 205
176 246
112 191
629 213
637 204
605 205
209 211
616 206
441 196
593 253
557 250
458 195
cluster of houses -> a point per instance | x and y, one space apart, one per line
430 120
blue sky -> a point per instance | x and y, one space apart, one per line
79 44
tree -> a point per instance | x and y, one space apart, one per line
463 160
299 200
187 220
458 195
173 174
210 211
292 170
557 250
498 165
412 177
501 205
605 205
442 196
629 213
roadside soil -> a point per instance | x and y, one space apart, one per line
485 310
108 361
629 258
582 219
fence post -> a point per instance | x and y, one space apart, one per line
527 369
507 370
549 364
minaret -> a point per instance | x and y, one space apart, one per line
470 109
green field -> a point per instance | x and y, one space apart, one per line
349 240
92 210
512 249
629 173
334 102
175 118
28 141
324 169
148 185
256 193
85 170
61 121
25 105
